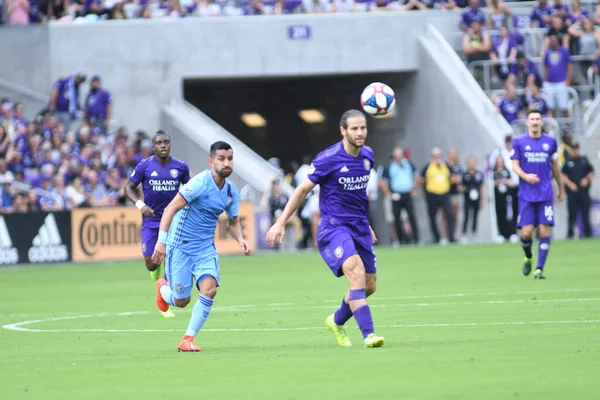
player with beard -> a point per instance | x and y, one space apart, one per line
535 160
160 176
186 240
345 238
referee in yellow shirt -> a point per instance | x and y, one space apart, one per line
436 177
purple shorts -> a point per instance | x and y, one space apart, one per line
149 238
338 243
535 213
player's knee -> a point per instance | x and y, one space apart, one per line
182 302
208 287
210 291
371 287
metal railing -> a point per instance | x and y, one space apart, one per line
532 39
486 65
573 108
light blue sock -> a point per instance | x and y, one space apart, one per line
199 314
167 295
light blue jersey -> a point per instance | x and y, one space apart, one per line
191 253
193 227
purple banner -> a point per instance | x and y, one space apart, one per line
299 32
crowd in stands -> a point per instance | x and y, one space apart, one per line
564 32
40 11
66 157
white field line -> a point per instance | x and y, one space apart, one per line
373 301
20 326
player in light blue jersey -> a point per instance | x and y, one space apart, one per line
186 240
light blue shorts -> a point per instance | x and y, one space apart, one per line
184 271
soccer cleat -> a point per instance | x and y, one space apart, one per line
527 266
187 345
374 341
167 314
160 302
539 274
339 331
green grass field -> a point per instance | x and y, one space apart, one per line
459 323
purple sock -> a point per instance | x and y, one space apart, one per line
543 251
342 314
363 318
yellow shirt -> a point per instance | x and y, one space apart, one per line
437 178
561 153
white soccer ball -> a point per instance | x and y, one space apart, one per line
378 99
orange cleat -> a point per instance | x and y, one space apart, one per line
160 302
187 345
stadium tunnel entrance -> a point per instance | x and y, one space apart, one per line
264 113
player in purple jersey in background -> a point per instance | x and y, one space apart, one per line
535 160
160 176
345 238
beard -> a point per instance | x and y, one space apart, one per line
225 173
353 142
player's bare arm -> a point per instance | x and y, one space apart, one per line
558 176
130 191
175 205
236 231
278 229
529 178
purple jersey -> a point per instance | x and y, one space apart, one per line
473 15
160 184
557 62
97 103
538 103
510 108
343 183
535 157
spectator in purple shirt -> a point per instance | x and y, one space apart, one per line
535 101
98 105
472 14
503 54
523 74
509 105
576 14
294 6
557 75
64 101
560 9
540 15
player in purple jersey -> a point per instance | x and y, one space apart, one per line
345 238
160 176
535 160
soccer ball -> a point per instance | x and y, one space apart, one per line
378 99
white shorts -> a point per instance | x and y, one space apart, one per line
556 95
